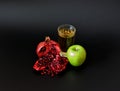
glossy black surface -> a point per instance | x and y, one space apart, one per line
24 24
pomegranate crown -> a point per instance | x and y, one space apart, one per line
47 38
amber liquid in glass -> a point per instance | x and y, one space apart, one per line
65 43
66 40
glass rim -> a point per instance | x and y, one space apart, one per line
63 25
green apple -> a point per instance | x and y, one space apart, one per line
76 55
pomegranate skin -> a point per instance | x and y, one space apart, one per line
50 62
45 46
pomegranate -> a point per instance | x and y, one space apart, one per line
44 47
50 62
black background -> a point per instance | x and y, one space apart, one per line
24 23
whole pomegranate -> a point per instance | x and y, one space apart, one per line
50 62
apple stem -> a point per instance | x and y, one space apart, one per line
75 49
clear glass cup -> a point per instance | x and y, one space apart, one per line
66 36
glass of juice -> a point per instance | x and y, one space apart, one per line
66 36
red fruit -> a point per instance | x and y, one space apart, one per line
50 62
52 66
44 47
